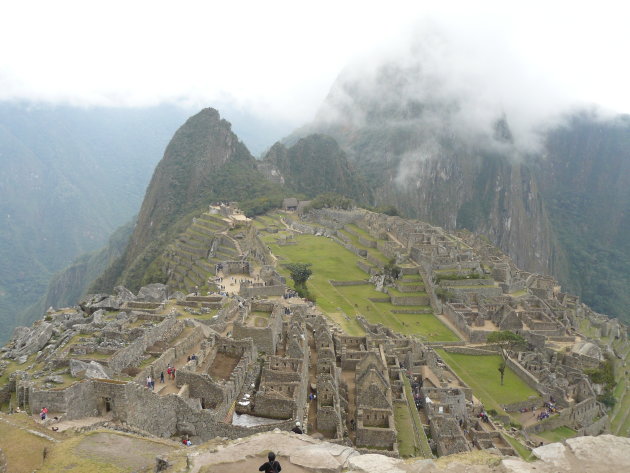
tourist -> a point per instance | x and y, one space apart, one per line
42 414
297 429
169 370
271 466
162 377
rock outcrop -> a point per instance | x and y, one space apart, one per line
26 341
603 454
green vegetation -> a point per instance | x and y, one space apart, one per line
421 442
525 453
55 210
558 434
330 261
506 338
391 269
300 272
316 165
479 372
405 434
329 200
604 375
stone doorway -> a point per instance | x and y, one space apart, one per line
104 405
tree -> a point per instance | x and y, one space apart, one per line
299 272
391 269
510 341
501 369
507 339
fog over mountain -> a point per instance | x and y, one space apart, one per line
453 130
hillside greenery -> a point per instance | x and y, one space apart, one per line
70 177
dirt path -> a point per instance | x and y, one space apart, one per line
122 450
395 240
312 379
349 377
169 387
83 422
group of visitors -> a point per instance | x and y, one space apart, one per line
170 371
150 383
548 409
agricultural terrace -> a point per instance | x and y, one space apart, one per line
481 373
342 304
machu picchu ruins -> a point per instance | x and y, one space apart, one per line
227 349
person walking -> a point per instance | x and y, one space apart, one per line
271 466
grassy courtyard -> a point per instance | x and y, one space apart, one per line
331 261
558 434
482 375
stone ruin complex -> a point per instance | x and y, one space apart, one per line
248 351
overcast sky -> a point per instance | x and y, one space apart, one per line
279 58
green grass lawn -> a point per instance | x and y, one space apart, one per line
482 375
355 241
361 232
331 261
395 292
558 434
405 434
525 453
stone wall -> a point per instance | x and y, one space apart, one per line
262 291
170 415
133 354
349 283
265 339
170 355
525 375
74 402
410 300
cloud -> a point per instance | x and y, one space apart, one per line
278 59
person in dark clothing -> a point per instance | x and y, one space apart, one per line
297 428
271 466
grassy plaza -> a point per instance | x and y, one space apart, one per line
482 375
331 261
